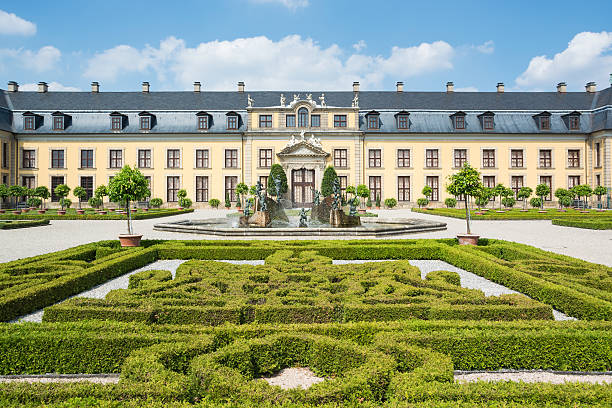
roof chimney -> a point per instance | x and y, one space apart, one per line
197 87
450 87
240 86
95 87
355 86
145 87
591 87
13 86
42 87
562 87
500 87
400 86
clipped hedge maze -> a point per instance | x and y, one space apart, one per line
295 287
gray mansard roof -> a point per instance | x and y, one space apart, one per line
429 111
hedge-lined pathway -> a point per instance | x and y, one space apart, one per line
590 245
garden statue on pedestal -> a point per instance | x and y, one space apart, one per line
303 218
337 218
317 196
353 208
277 184
337 203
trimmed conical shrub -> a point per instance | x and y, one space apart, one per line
327 185
277 172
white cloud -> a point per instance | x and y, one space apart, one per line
360 45
10 24
53 86
467 89
290 4
586 58
38 61
290 63
488 47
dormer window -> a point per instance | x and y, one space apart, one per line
458 120
543 120
572 120
403 120
232 120
303 117
146 120
203 120
59 121
29 122
117 120
372 119
487 120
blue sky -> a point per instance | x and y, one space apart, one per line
305 44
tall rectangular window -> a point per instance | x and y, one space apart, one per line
403 188
548 181
173 158
231 158
232 122
4 156
29 123
343 183
573 181
264 182
145 123
265 121
116 123
29 159
516 158
339 121
488 158
375 158
597 180
315 120
546 158
290 120
144 158
574 122
459 122
230 187
201 189
488 122
203 122
28 181
88 185
375 185
87 159
432 181
544 123
573 158
265 158
116 159
55 181
173 185
58 123
460 157
516 183
402 122
202 159
403 158
340 158
489 182
57 159
597 155
431 158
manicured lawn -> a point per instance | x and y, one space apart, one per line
90 214
517 214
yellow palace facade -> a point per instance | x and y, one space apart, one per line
395 142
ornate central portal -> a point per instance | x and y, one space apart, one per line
302 185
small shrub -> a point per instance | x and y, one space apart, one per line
156 202
508 202
390 202
450 202
185 202
422 202
535 202
214 203
34 202
65 202
95 202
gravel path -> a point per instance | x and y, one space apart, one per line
295 377
590 245
534 377
62 378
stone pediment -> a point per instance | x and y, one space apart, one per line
303 149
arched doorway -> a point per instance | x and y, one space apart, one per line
302 185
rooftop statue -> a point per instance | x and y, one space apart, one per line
322 100
356 101
249 101
282 100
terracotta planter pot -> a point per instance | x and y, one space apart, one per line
25 210
542 211
478 213
378 207
145 209
362 211
80 212
61 212
524 210
561 210
500 211
584 212
17 212
111 209
130 240
32 208
2 211
468 239
102 212
42 211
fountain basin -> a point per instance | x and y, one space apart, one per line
370 227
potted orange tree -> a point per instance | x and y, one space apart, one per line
4 193
80 193
62 191
466 183
129 185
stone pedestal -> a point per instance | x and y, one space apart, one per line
321 211
337 218
258 219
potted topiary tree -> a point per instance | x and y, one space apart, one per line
499 191
101 192
377 201
422 202
536 202
214 203
364 192
466 183
228 202
181 194
44 194
583 190
560 193
34 202
509 201
523 194
427 192
80 193
390 202
127 186
507 193
185 202
327 184
542 190
4 194
156 202
450 202
350 190
481 198
62 192
241 190
599 191
16 192
95 202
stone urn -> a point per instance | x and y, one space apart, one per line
468 239
130 240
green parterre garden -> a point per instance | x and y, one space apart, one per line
91 214
376 331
